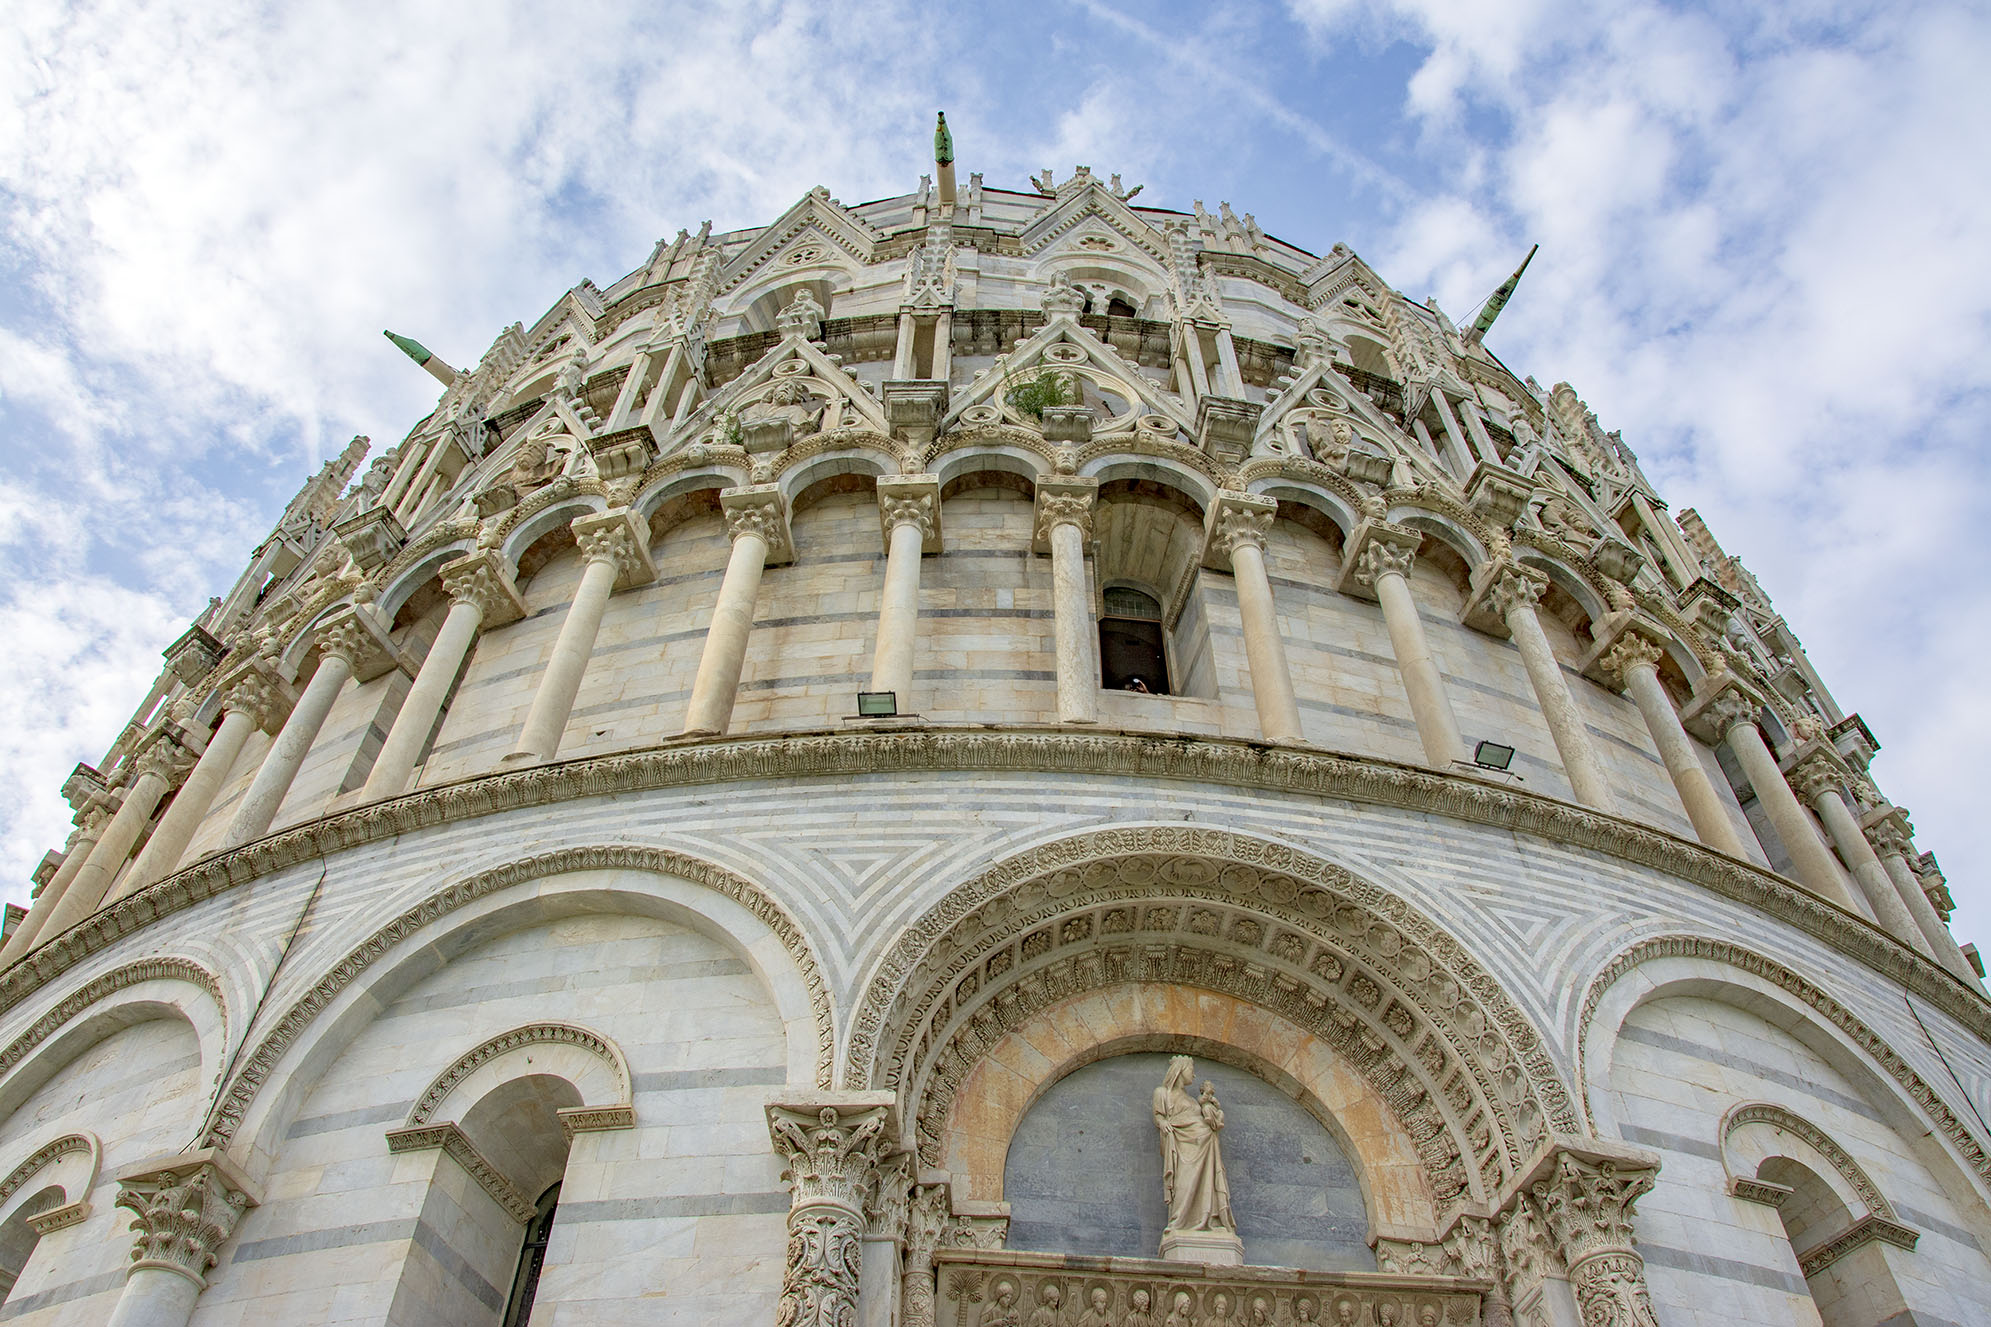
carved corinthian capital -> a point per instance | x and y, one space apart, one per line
483 579
1236 520
1586 1206
1380 559
1058 506
759 510
1514 588
911 500
259 693
183 1211
1632 651
620 538
834 1147
1817 775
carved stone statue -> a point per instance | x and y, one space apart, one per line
1002 1313
1050 1300
1097 1313
1200 1226
1141 1314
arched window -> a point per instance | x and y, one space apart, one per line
1133 651
531 1258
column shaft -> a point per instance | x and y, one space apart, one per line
1436 724
395 764
155 1297
902 358
32 925
279 769
1676 751
1882 900
1940 942
176 828
717 685
1078 680
1565 720
898 614
1264 647
1810 859
86 890
553 702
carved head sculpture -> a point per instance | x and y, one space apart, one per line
1181 1071
1386 1314
1182 1304
1050 1295
1303 1310
1428 1316
1261 1312
1099 1298
1142 1300
1344 1312
1220 1306
1005 1293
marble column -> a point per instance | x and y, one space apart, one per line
342 643
154 769
1237 529
481 594
1819 778
757 523
1514 595
832 1146
254 698
1585 1209
81 843
183 1210
1634 663
616 547
1384 567
1891 834
909 509
1730 713
1064 524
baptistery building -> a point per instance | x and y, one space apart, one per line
998 757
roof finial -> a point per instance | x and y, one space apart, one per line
423 356
1498 301
943 160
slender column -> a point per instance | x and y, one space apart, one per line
1455 446
1634 661
1732 714
341 644
81 843
481 591
757 521
833 1147
1199 376
902 359
183 1211
909 513
1233 378
1238 526
1385 568
926 1221
1818 778
1514 596
153 770
1476 428
1890 833
254 700
943 345
1064 522
616 548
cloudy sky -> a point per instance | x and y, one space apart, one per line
1763 236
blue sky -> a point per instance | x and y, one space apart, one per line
1763 259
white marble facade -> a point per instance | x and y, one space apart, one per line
508 840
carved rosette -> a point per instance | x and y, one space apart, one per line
1586 1207
182 1216
833 1150
1381 559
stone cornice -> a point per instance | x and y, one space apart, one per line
1222 762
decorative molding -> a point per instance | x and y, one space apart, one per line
260 1063
834 1148
1867 1230
595 1119
1217 762
47 1155
149 969
1777 1117
452 1141
532 1034
1351 962
1789 981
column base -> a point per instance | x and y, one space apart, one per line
513 759
1218 1248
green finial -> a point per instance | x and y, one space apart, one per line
1498 300
943 143
414 350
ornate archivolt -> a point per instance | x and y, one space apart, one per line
1852 1027
1398 998
1768 1114
260 1064
79 1001
71 1163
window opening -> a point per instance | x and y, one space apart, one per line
1119 308
531 1259
1133 651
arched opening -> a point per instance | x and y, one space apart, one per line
18 1236
1369 356
1848 1280
1294 1191
1118 306
1133 645
532 1259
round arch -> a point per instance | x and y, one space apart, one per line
1164 472
1689 965
803 472
154 988
409 580
1442 528
682 484
276 1074
530 528
990 456
1391 993
1331 505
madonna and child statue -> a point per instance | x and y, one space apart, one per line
1200 1226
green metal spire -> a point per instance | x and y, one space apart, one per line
1498 300
414 350
943 143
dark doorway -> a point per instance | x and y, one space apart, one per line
1133 653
